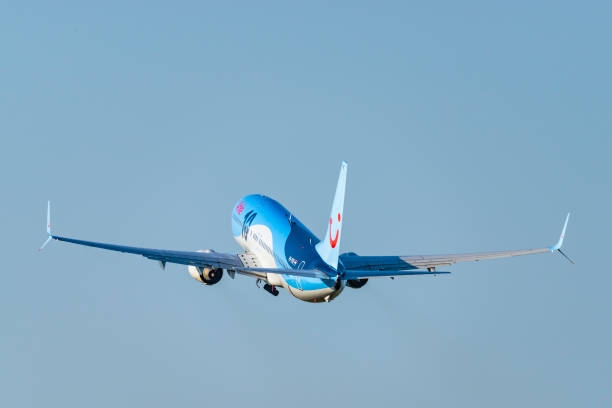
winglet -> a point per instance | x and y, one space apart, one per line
48 226
557 246
49 217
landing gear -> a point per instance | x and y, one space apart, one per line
271 289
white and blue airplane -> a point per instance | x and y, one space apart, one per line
279 251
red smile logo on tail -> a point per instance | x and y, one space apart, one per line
334 242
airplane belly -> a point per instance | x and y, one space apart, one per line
315 295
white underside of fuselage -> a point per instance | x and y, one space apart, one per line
259 243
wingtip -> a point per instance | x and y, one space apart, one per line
49 217
566 257
49 238
559 243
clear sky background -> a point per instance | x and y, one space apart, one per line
467 126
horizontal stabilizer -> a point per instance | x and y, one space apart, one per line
307 273
376 274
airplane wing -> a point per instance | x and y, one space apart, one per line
392 265
203 259
230 262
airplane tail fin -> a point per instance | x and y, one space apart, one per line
329 248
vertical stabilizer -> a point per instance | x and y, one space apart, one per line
329 248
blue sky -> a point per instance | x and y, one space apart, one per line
466 127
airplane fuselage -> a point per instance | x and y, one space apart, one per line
277 239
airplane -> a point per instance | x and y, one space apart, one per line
280 252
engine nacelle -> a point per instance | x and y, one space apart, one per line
356 283
208 276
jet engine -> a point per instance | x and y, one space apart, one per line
356 283
208 276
